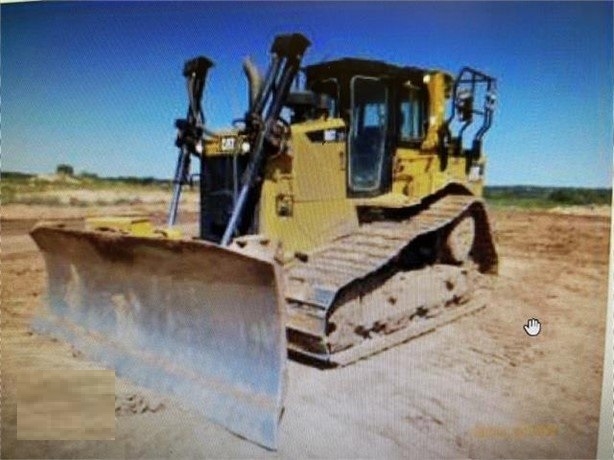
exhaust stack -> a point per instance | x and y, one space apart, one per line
254 80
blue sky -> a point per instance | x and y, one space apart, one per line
98 85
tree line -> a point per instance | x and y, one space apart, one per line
554 195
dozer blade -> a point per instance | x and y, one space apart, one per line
185 317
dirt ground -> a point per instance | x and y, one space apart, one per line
480 387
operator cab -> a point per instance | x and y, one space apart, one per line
384 106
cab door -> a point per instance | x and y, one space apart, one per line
367 143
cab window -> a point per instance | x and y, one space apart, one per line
330 87
413 117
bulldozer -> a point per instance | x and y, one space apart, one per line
339 217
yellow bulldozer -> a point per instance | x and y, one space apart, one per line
338 218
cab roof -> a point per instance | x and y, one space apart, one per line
347 67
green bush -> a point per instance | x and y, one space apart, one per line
65 169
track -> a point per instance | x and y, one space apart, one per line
337 297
